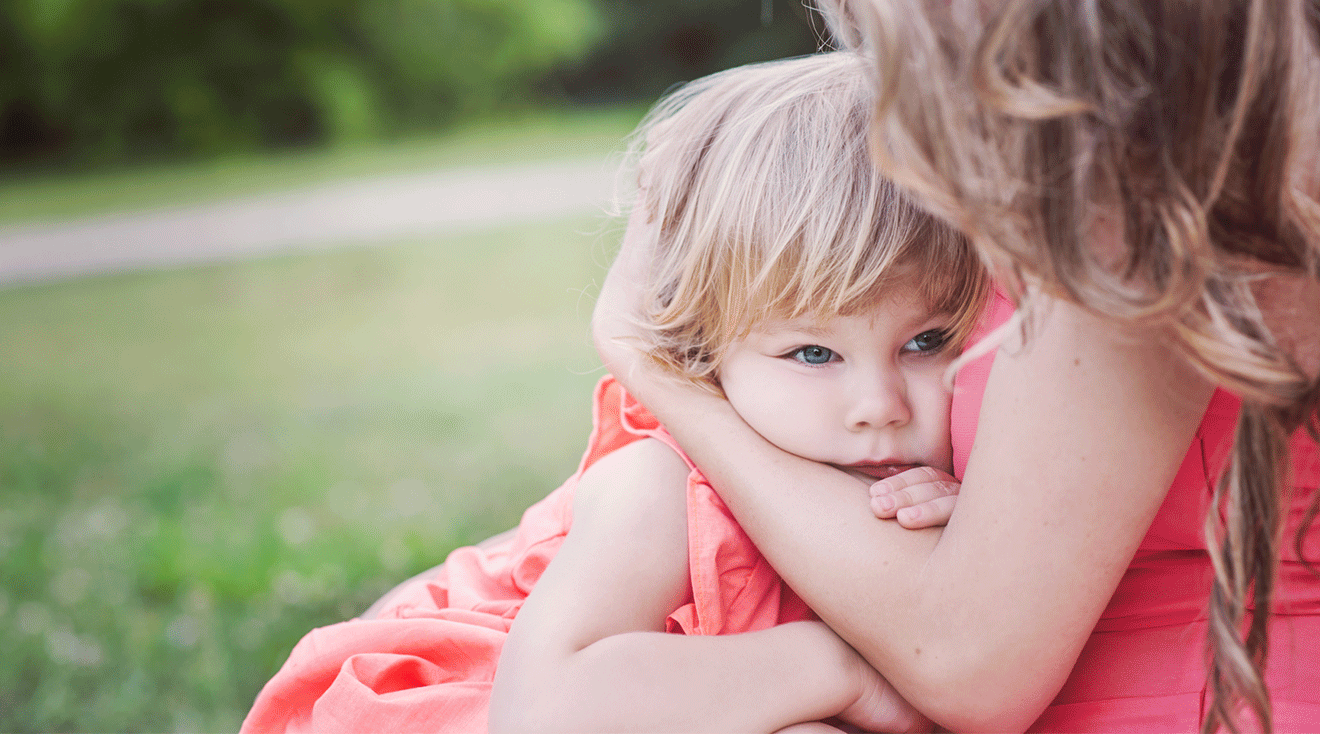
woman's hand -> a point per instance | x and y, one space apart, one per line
917 498
875 705
878 707
614 322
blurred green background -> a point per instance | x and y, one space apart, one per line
199 464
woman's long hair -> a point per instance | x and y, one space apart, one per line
1192 126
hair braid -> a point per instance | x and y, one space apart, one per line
1245 521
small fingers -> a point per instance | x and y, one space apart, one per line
932 513
889 506
910 489
911 477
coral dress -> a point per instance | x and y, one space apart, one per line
1143 669
428 661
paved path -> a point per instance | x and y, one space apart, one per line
327 215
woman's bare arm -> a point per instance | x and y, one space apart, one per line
978 624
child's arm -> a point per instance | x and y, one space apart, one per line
588 650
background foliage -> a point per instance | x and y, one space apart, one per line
97 81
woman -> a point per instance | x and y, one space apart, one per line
1142 177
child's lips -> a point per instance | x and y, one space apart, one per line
881 471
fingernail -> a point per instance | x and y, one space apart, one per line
880 488
910 513
885 502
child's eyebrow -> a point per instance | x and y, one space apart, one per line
779 326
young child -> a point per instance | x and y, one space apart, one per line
827 309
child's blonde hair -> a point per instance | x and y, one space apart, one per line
768 205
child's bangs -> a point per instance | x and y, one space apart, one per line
844 261
951 280
797 286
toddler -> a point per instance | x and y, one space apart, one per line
795 281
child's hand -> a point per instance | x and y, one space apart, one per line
918 498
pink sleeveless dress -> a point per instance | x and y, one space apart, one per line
428 661
1143 669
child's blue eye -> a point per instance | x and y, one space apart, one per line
812 354
927 341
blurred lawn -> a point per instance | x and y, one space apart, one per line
198 466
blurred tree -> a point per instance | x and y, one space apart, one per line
99 80
650 45
92 81
433 61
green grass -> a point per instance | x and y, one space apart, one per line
198 466
545 135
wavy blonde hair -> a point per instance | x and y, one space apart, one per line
769 206
1193 126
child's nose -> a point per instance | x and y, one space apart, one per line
879 400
